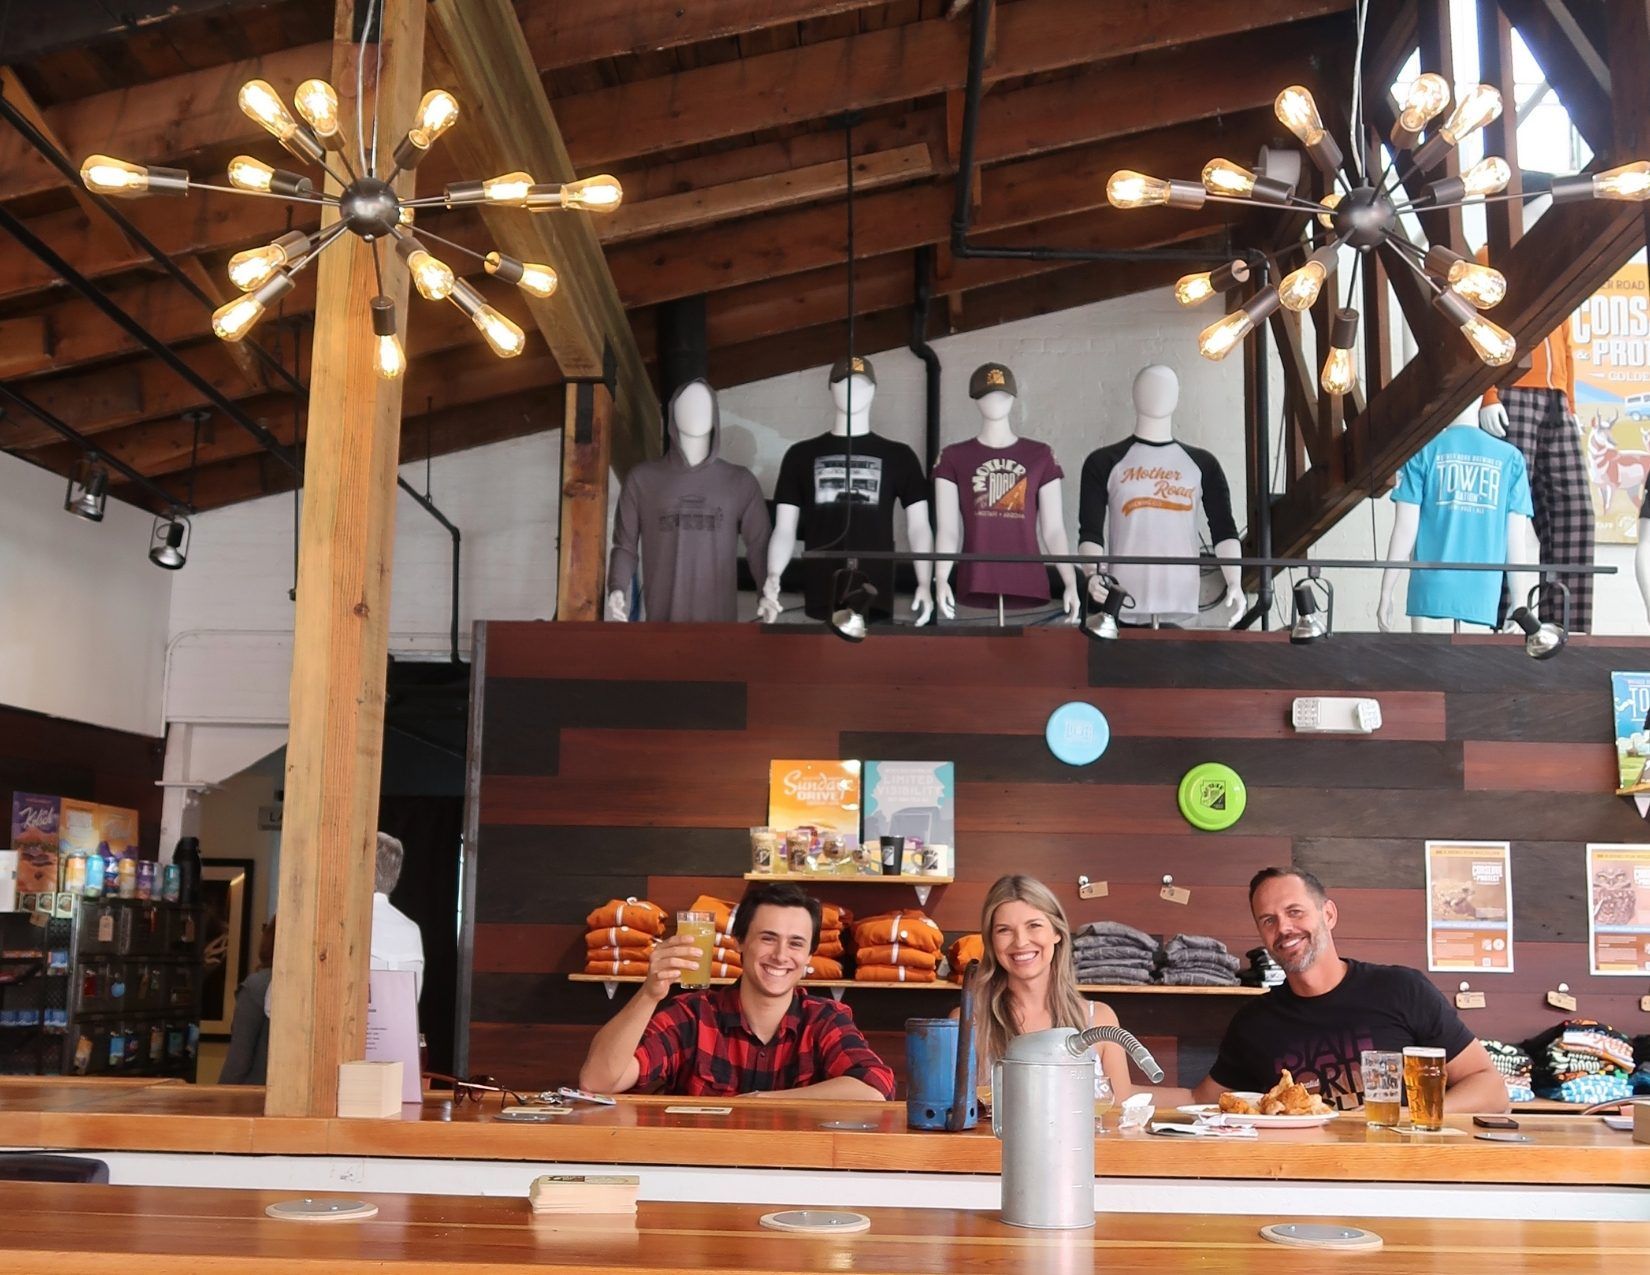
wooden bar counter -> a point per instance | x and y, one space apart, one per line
78 1228
96 1115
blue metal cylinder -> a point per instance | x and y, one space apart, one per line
931 1074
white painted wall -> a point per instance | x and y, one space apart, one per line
84 610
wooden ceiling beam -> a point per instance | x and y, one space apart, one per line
893 65
1578 72
26 345
510 125
567 33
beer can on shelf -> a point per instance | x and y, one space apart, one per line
126 878
145 879
170 880
94 875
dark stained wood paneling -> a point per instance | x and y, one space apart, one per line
1299 762
652 789
1578 717
1495 766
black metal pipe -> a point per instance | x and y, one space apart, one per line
90 447
1263 459
923 297
962 213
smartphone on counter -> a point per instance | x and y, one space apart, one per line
1495 1122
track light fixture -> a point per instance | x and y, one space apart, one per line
169 541
851 597
1368 216
1099 620
1542 640
1310 623
88 491
366 206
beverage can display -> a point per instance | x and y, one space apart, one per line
94 875
169 883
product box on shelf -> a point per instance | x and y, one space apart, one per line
117 833
916 799
77 827
822 795
34 835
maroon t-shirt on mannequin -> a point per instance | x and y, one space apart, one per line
997 489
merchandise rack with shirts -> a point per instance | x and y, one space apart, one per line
103 986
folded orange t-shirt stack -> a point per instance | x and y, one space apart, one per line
829 957
621 936
968 948
897 947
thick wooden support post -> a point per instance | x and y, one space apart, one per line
586 456
1504 221
339 646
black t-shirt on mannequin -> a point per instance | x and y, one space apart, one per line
813 477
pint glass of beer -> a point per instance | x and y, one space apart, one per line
1424 1083
701 928
1383 1078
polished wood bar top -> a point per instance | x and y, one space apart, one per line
789 1133
73 1228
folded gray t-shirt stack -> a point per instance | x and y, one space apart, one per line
1195 960
1111 952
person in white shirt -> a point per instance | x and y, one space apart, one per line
396 942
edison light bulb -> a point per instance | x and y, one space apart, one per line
1189 289
504 336
1630 182
264 106
1340 373
1477 107
388 359
250 268
234 319
511 188
1428 96
247 173
317 102
1330 201
1489 176
1223 177
1495 345
110 176
432 278
1220 338
1299 289
601 193
1129 189
1298 113
1481 285
437 112
529 276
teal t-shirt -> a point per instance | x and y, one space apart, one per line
1466 483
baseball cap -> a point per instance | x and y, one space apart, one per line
854 365
991 376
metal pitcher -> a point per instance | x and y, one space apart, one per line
1042 1108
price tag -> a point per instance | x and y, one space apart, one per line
1561 1000
1469 1000
106 928
1092 889
1175 894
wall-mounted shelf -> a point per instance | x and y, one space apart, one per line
922 884
836 986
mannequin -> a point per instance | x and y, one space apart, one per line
849 516
1536 413
684 515
1463 475
1014 505
1145 491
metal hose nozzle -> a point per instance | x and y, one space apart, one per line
1083 1041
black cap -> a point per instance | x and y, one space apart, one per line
991 376
854 365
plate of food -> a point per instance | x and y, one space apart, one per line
1286 1105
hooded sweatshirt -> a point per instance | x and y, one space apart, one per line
689 519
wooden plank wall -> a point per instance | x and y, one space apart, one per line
629 760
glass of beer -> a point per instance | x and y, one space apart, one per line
701 928
1424 1084
1383 1075
1105 1101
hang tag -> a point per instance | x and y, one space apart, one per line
106 928
1644 1004
1469 1000
1092 889
1175 894
1562 1000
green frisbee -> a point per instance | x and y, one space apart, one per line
1212 796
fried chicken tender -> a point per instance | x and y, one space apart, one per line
1286 1098
1232 1105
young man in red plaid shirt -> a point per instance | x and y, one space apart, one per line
758 1036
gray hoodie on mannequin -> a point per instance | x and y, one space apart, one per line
688 520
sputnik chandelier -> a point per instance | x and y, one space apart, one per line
367 206
1364 216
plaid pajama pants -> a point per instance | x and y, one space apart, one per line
1541 425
